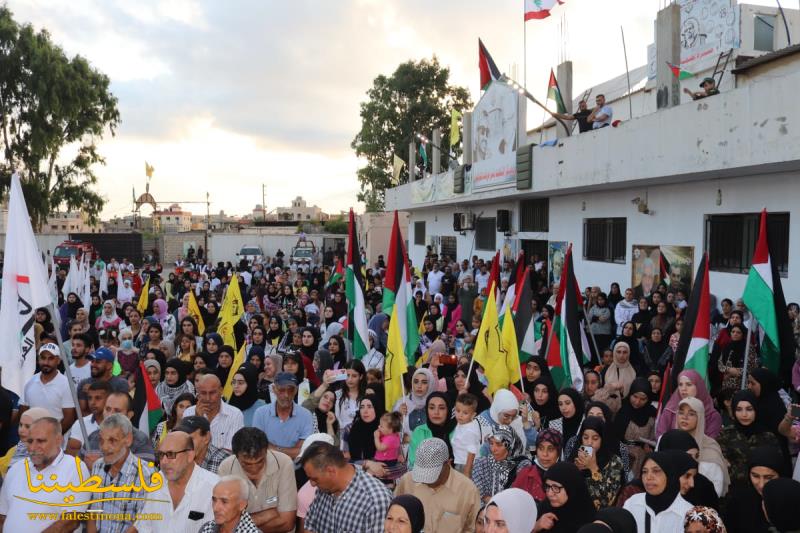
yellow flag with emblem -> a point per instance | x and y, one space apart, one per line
231 312
238 361
395 364
509 335
489 349
194 312
144 298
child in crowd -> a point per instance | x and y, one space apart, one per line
466 438
387 438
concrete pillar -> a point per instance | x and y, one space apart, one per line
668 49
436 163
564 77
466 136
412 161
522 121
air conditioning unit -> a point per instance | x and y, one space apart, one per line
467 221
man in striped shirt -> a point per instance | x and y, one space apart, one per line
206 454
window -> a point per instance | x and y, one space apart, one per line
604 239
731 241
485 234
449 247
534 215
419 233
764 33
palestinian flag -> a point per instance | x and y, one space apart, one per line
663 268
513 282
539 9
678 72
337 275
524 325
489 71
146 403
494 279
354 283
568 347
397 292
554 93
693 351
763 296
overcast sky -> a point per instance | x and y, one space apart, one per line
222 96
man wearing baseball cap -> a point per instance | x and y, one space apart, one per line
286 423
102 366
49 388
709 86
206 455
451 500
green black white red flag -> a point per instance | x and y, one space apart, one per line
397 292
354 283
693 349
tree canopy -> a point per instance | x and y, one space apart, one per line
53 109
416 98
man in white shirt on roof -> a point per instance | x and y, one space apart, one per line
602 114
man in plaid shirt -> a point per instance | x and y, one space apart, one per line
207 455
118 467
348 500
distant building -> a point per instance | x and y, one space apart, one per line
215 222
70 222
301 211
172 220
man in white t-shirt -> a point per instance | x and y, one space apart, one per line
97 395
81 367
482 279
435 279
602 115
49 388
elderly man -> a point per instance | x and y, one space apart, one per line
225 420
229 501
451 500
46 465
49 388
287 423
183 501
273 493
206 454
119 467
348 499
121 403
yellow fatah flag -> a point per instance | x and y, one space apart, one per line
231 312
489 349
421 329
455 132
194 312
238 361
144 298
397 168
510 345
395 363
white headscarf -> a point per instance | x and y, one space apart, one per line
125 293
504 400
518 509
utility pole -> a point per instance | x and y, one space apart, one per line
264 201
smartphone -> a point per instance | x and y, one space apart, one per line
448 359
341 375
796 411
588 450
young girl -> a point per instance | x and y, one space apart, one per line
387 438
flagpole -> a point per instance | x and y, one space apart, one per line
524 48
549 338
753 325
587 327
57 323
627 73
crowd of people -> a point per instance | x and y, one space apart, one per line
304 440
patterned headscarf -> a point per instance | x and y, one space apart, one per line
552 436
508 437
706 516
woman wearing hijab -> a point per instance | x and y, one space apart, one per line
743 512
690 384
505 411
780 500
513 509
360 437
771 408
548 453
108 317
274 332
378 323
731 358
700 519
322 362
661 508
635 423
338 350
308 347
210 313
498 470
746 434
293 363
628 336
224 363
544 400
598 458
374 358
245 392
438 424
273 363
473 385
615 520
174 384
654 349
568 505
125 293
213 343
691 419
406 514
641 319
413 405
701 490
620 373
571 406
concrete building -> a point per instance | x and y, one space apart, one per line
679 178
172 220
301 211
57 223
375 232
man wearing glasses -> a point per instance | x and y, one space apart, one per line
184 499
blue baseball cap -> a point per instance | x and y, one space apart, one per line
103 354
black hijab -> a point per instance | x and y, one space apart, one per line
609 445
180 368
733 353
475 387
250 396
703 492
780 504
223 373
441 431
324 362
549 411
571 425
628 413
414 510
579 508
656 349
309 351
361 440
754 428
660 502
770 408
677 439
743 512
618 519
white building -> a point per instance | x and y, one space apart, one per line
685 179
172 220
301 211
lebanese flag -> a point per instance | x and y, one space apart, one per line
693 351
489 71
763 296
539 9
397 292
569 347
146 403
353 284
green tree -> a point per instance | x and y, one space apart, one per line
416 98
53 108
337 225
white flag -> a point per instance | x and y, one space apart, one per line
24 290
52 282
103 285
